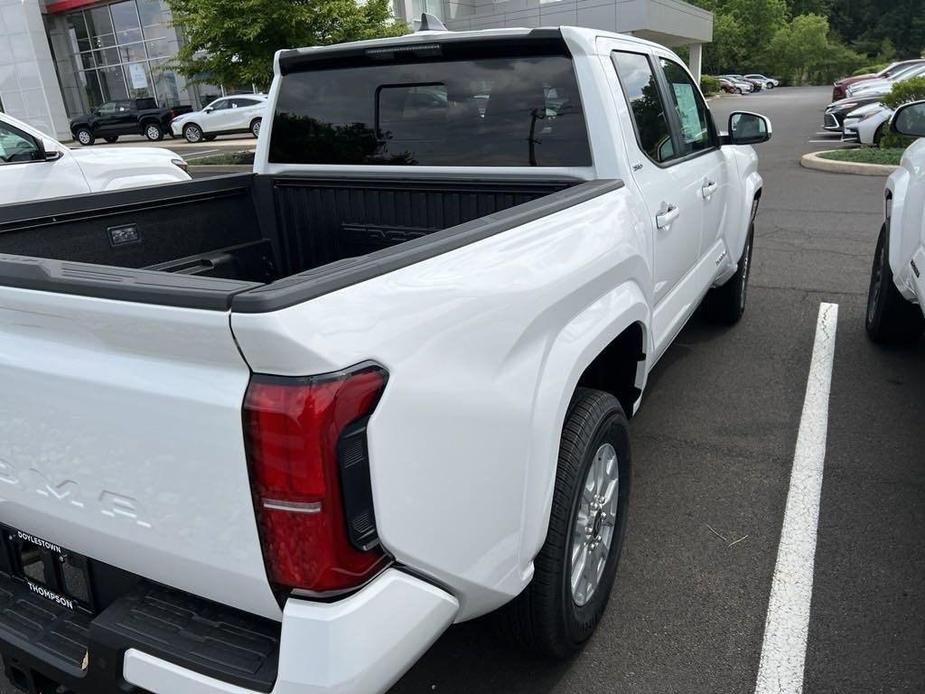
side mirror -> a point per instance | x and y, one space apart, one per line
909 120
208 109
747 129
46 153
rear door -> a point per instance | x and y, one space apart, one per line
121 439
244 111
669 184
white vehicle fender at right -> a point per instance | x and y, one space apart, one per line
574 349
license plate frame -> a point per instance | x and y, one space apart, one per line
49 570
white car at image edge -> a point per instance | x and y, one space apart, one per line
34 166
897 288
241 113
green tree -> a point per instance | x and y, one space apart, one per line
803 51
728 51
234 42
759 21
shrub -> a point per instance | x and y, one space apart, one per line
709 85
891 140
904 92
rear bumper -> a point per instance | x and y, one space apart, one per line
167 642
361 644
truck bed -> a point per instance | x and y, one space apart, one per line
260 241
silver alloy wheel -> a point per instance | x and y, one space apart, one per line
593 532
192 133
153 132
255 129
83 137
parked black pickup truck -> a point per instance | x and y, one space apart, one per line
125 117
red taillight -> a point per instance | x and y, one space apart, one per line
293 429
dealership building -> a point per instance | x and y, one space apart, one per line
59 58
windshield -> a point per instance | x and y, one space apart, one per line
523 110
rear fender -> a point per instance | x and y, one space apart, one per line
742 213
576 346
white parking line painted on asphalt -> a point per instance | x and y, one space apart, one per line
831 142
783 652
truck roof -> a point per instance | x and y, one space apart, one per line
581 38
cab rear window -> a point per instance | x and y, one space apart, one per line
523 110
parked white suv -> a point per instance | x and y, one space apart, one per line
897 287
230 114
284 428
34 166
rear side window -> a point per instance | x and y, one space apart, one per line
641 89
501 111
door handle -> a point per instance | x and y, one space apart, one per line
665 219
708 189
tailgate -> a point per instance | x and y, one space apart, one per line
121 439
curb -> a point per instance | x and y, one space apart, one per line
218 170
814 161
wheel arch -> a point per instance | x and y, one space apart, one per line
608 347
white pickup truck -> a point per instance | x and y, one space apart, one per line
896 296
33 166
276 432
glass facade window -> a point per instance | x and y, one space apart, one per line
114 51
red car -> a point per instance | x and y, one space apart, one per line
839 91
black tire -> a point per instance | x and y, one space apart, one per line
739 91
726 304
111 139
891 319
881 131
255 127
546 618
193 133
209 138
154 132
84 136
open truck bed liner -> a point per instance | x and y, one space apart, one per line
259 243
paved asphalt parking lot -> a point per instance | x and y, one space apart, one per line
713 446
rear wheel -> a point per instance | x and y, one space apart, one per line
192 133
890 318
726 304
111 139
85 136
575 570
255 127
154 132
